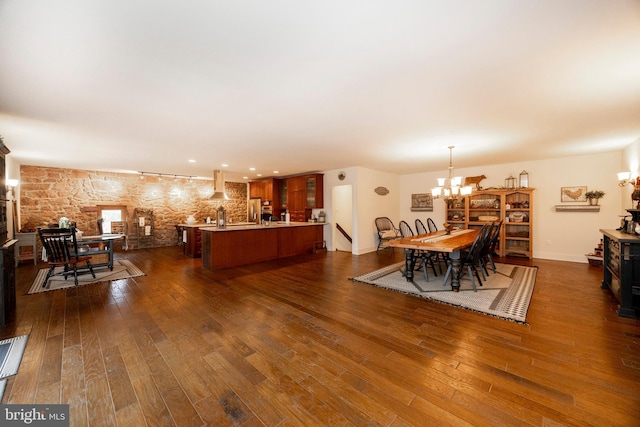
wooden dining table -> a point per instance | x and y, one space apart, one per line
439 241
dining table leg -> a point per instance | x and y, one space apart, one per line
409 264
456 264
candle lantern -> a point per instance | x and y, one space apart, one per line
221 217
510 182
524 179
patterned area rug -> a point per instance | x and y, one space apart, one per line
11 351
505 294
122 269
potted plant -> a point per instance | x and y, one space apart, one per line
593 196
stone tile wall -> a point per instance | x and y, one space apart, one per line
47 194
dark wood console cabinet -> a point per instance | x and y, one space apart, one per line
7 281
622 270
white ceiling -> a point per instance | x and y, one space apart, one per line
298 85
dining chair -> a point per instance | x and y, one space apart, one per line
386 231
61 247
420 228
425 256
438 258
489 247
431 225
470 260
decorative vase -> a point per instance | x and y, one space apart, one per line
593 202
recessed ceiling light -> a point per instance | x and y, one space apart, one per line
258 174
192 161
245 177
224 165
276 171
252 169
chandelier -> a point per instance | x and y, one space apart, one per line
451 187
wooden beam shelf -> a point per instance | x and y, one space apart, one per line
577 208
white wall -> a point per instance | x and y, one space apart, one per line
367 205
342 213
564 236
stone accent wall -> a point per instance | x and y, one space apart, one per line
47 194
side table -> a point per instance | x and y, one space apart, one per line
26 248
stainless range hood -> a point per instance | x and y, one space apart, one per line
218 186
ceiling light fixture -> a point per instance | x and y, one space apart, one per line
161 176
451 187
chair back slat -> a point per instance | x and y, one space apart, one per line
59 243
476 246
432 225
405 229
420 228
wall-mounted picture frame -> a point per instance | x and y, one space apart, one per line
422 202
573 194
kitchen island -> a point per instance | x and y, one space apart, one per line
246 244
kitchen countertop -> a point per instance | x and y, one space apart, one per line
204 224
253 226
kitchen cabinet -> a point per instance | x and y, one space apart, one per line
314 191
193 246
622 270
266 189
304 193
514 207
297 194
242 245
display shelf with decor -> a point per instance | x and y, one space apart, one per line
518 223
484 206
456 212
514 207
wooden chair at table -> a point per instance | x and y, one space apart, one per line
489 247
471 259
440 257
62 251
386 231
431 225
425 257
435 257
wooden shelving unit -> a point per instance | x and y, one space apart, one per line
514 207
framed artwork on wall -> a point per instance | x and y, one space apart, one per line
422 202
573 194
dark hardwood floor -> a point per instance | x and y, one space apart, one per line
295 342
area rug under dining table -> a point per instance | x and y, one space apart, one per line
505 294
122 269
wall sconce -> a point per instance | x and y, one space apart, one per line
11 183
624 178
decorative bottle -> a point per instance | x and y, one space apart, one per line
287 217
